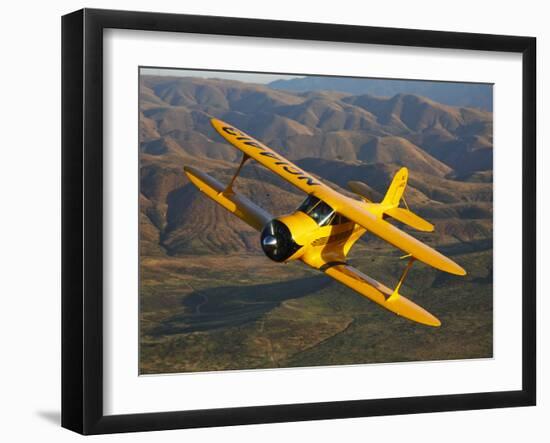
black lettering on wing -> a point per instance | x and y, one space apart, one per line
230 130
308 180
293 172
269 154
253 143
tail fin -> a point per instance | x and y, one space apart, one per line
391 202
396 189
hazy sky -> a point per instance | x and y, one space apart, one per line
240 76
476 95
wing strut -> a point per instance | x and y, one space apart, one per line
229 188
395 294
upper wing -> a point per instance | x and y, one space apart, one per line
270 159
380 294
352 209
238 204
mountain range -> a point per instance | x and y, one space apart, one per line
337 136
475 95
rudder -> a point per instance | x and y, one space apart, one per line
396 189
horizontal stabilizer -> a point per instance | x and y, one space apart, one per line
410 219
381 294
235 203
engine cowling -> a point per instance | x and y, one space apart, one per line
277 241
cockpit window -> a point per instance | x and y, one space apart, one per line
319 211
337 219
308 204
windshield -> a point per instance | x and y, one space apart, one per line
318 210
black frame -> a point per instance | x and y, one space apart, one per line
82 237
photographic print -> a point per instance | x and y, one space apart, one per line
292 220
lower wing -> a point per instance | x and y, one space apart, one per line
237 204
380 294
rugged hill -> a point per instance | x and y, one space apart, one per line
454 94
337 136
324 124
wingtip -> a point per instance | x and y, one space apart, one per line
452 267
429 320
403 170
449 266
408 309
216 122
459 269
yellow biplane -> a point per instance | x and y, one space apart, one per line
325 226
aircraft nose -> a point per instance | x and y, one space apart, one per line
269 243
277 242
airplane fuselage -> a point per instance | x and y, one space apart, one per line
298 236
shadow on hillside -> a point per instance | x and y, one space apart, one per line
229 306
466 247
